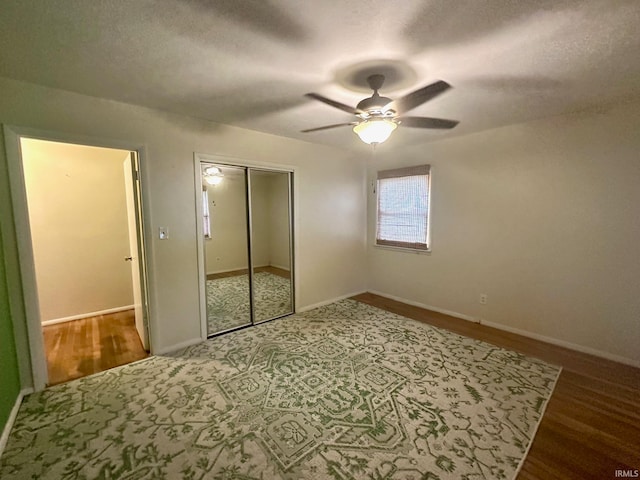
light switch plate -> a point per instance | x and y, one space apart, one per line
163 233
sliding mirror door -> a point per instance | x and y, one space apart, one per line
271 244
226 245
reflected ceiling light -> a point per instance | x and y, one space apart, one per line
213 179
375 130
212 171
213 175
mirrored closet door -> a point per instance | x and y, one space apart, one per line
226 247
248 245
271 244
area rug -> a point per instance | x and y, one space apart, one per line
228 300
345 391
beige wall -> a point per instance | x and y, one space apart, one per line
542 217
331 228
78 219
270 216
279 222
226 250
260 219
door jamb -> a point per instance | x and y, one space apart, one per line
27 283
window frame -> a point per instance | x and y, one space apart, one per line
418 170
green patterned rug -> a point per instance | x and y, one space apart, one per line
345 391
228 300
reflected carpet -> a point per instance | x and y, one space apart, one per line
228 300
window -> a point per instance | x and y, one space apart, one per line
206 223
403 208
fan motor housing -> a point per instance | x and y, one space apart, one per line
373 103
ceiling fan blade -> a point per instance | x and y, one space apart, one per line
328 126
417 97
426 122
333 103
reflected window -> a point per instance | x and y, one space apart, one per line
205 213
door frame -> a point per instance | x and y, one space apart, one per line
28 284
198 158
133 180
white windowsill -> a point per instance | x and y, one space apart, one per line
403 249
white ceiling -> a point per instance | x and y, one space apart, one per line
249 62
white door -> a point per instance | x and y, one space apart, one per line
136 258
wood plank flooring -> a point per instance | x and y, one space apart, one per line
591 427
81 347
274 270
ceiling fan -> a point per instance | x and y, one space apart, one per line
379 116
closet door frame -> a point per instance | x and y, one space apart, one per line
198 159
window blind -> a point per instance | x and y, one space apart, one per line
403 207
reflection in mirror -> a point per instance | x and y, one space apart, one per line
226 247
271 244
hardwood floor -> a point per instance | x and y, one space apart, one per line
274 270
591 427
81 347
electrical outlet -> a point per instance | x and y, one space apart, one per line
483 299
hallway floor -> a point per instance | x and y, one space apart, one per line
90 345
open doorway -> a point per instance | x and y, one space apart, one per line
84 217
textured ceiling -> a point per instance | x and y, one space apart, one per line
249 62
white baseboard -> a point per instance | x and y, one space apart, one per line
243 267
562 343
281 267
87 315
427 307
12 418
177 346
327 302
517 331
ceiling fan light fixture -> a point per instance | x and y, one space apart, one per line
379 116
375 131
